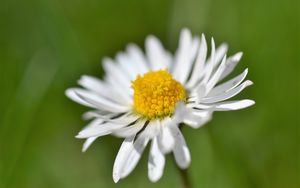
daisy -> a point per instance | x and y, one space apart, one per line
145 97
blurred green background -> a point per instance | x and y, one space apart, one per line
47 44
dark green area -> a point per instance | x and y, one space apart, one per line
47 44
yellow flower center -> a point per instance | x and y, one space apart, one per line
156 94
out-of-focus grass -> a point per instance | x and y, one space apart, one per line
47 44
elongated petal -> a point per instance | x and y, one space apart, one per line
88 143
93 100
93 84
219 54
90 140
228 85
137 56
130 152
108 126
185 42
231 63
100 130
233 105
181 151
121 158
156 162
134 156
127 65
156 54
73 96
197 119
98 122
101 88
127 119
211 63
122 94
229 94
131 130
198 93
215 78
165 139
140 141
179 114
198 70
96 114
187 65
116 75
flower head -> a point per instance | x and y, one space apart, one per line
144 97
156 94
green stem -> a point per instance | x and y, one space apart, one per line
185 179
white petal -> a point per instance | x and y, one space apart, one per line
211 62
119 91
194 117
150 130
215 78
156 54
138 58
198 69
221 88
231 63
117 76
127 65
73 96
91 99
156 162
100 130
127 119
134 155
94 123
165 139
88 142
100 127
228 94
92 83
130 153
121 158
201 91
233 105
179 114
140 142
197 119
198 93
130 130
96 114
220 53
187 66
181 151
101 88
185 56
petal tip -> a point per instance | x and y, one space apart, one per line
116 178
251 102
185 30
70 92
237 57
79 136
248 83
153 179
83 150
150 38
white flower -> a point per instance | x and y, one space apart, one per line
144 97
